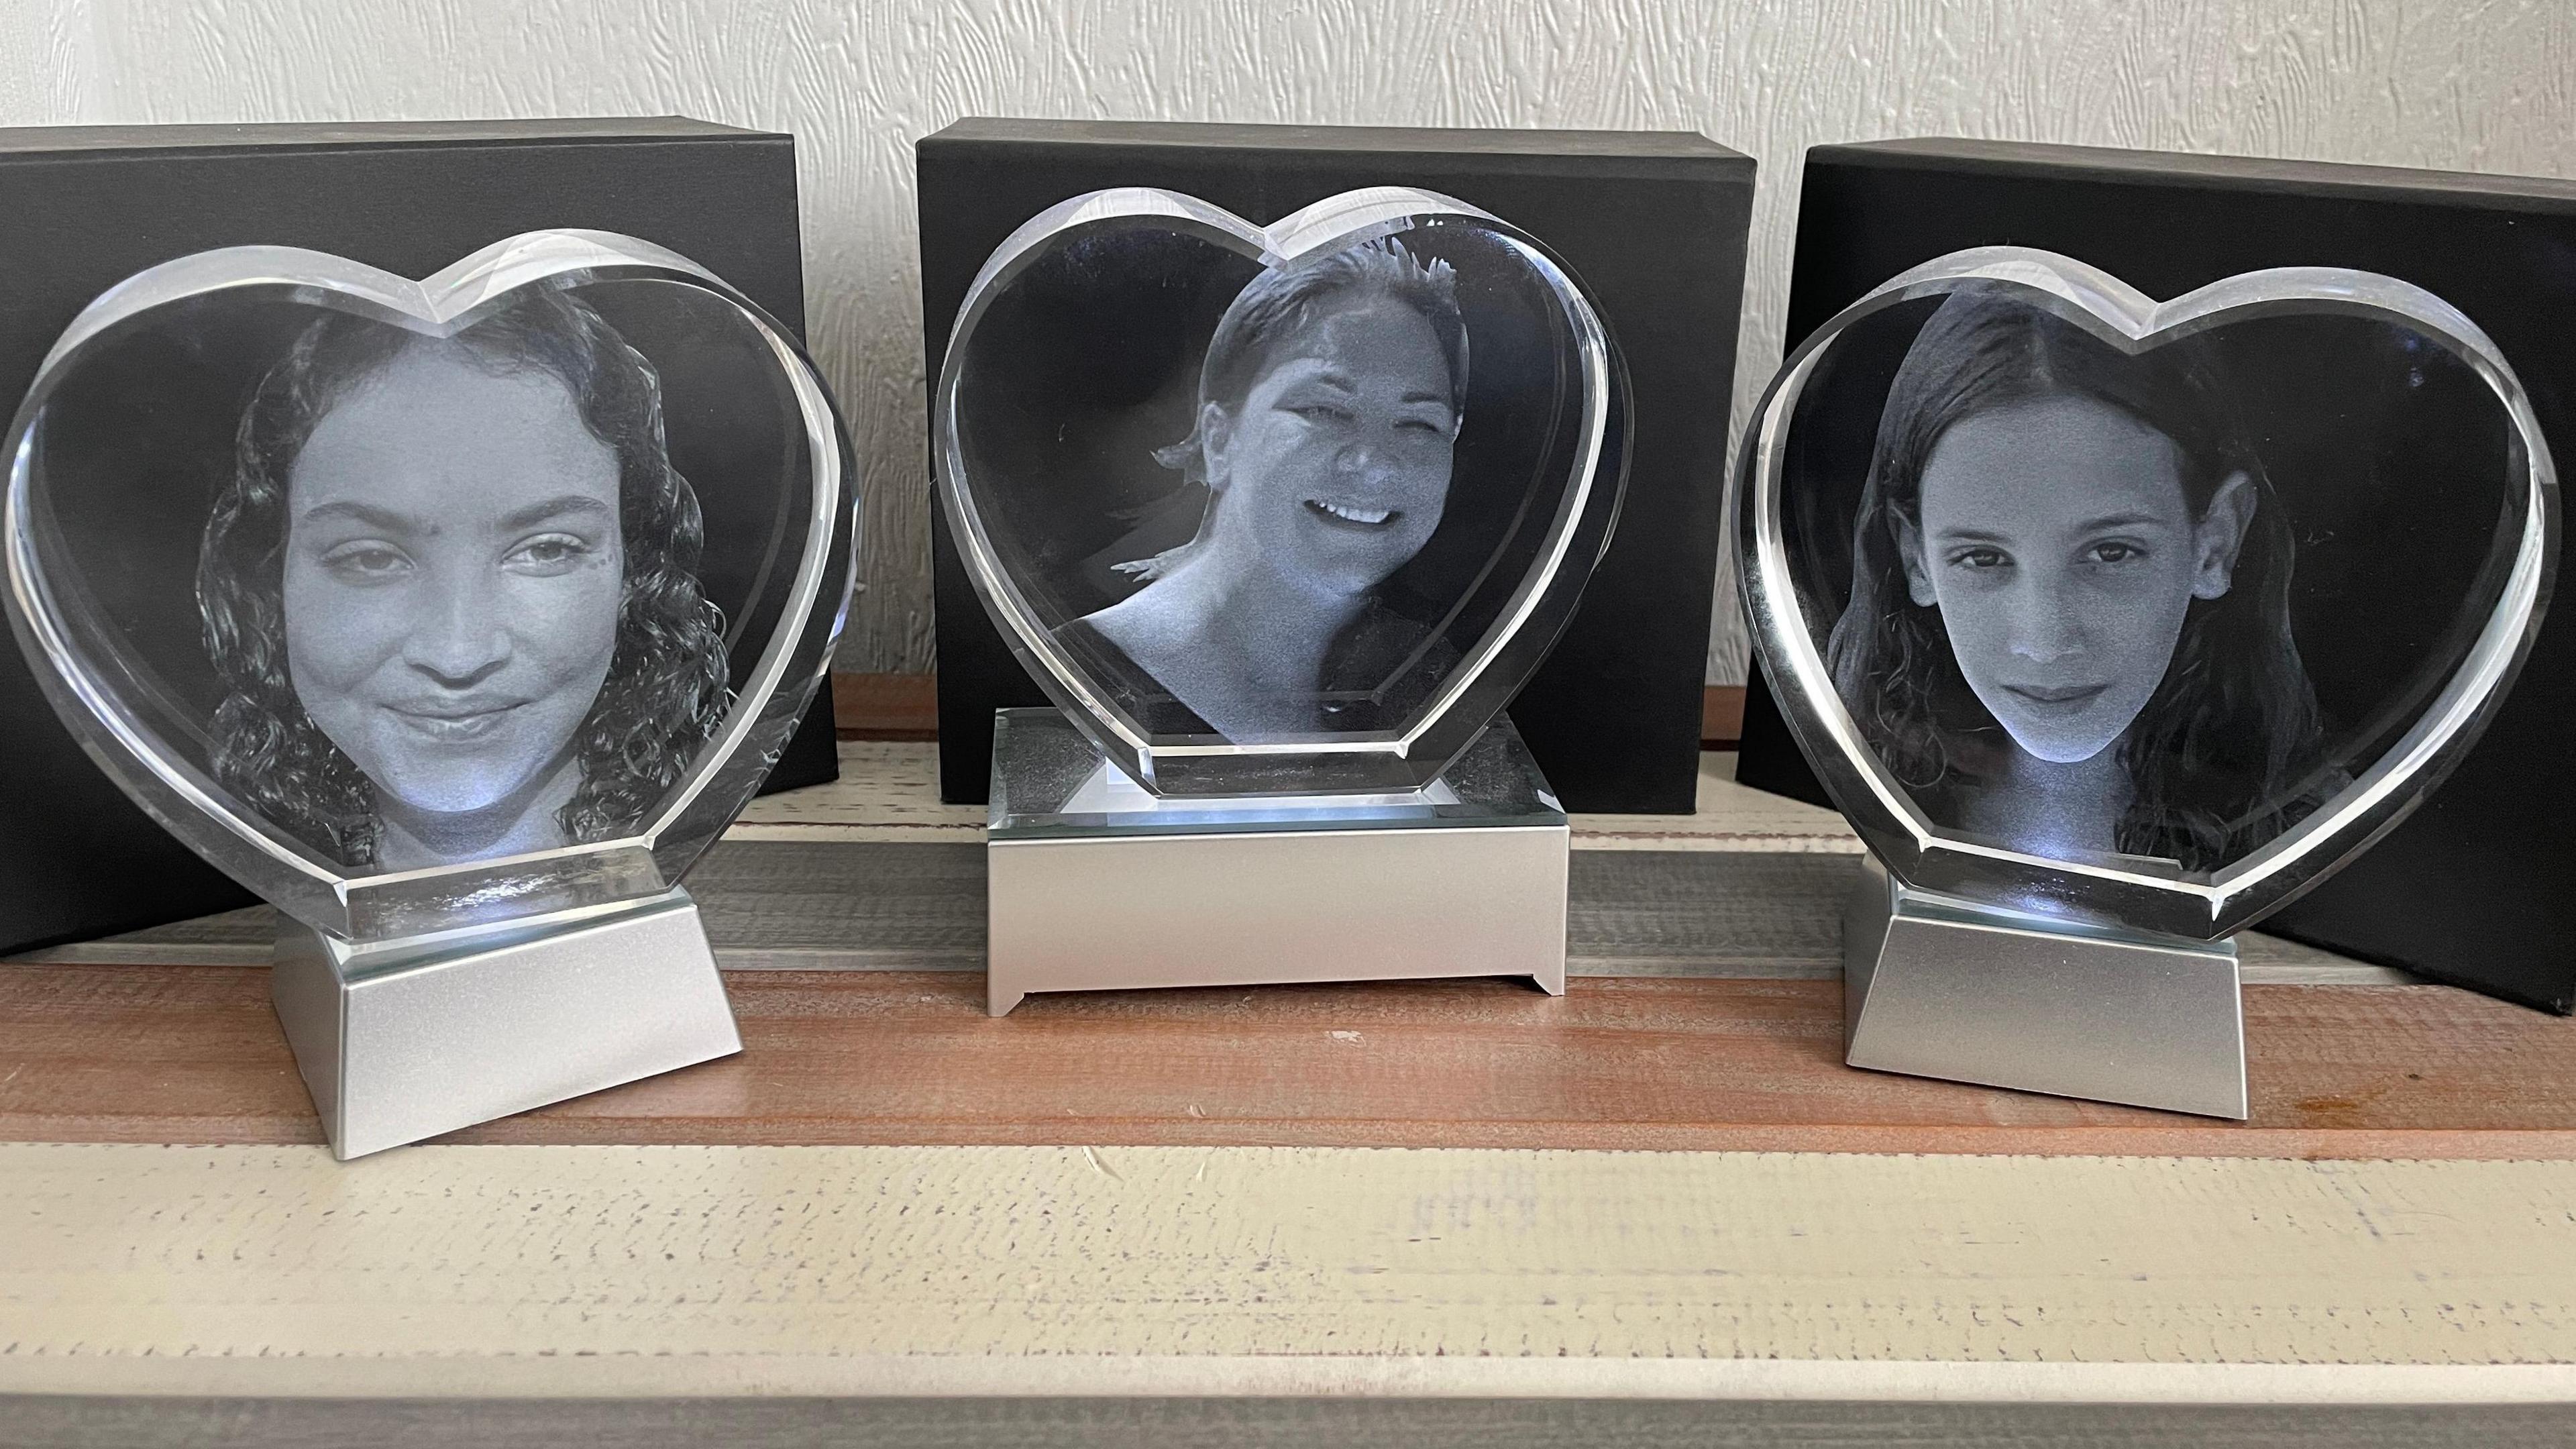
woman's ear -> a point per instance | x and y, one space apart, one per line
1909 552
1216 435
2220 536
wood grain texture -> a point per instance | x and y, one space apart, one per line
194 1055
41 1422
886 706
2492 88
676 1271
1721 717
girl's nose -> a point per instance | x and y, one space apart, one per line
2044 628
461 635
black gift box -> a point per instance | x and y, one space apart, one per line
1653 224
2478 886
91 206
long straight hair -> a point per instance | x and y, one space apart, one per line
2218 757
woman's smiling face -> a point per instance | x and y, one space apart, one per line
2056 540
1336 465
453 574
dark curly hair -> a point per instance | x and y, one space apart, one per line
2224 755
666 691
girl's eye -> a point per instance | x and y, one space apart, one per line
1422 425
366 562
1980 558
546 554
1316 412
2111 551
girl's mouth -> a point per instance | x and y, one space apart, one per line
454 721
2058 699
1352 515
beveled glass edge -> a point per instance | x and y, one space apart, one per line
1919 854
1006 825
792 665
1336 222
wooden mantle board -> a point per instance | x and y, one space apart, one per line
1397 1213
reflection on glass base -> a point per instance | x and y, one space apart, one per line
1934 986
405 1039
1098 885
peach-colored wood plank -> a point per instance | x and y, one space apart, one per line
886 706
192 1054
1721 717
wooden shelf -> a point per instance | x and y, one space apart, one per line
193 1055
1705 1015
1158 1217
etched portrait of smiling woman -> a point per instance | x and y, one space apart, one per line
451 593
1328 412
2069 626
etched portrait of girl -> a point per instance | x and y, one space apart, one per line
1327 415
2069 625
451 591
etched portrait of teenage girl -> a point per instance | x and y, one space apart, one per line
451 591
1327 416
2069 625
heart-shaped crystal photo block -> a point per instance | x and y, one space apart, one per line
421 606
1279 510
2137 613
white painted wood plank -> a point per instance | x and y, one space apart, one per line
1240 1422
887 791
487 1271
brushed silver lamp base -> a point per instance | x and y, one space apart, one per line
405 1039
1935 986
1096 884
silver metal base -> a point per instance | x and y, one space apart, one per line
401 1040
1096 885
1934 986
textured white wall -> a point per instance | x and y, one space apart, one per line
2475 84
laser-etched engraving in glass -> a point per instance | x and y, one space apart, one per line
1279 510
425 606
2102 609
